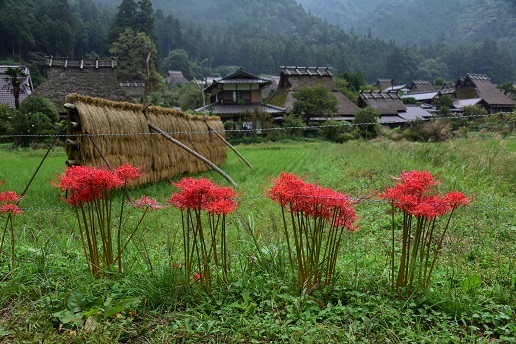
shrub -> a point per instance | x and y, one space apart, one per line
332 130
30 128
367 121
41 105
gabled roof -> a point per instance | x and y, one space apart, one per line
480 86
382 83
6 94
385 103
292 78
421 86
239 77
176 77
414 113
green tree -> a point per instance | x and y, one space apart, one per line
42 105
178 60
190 96
507 87
27 128
443 105
135 52
366 121
312 101
125 18
14 78
6 117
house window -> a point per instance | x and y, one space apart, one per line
236 97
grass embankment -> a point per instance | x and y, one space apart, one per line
472 296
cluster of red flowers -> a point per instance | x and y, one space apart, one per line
8 200
84 184
415 194
313 200
203 194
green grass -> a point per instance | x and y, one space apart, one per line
259 305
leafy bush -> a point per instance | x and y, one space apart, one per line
33 126
42 105
367 121
432 131
332 130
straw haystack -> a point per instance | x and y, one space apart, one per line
104 132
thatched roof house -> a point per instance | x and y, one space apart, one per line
480 86
6 93
385 103
176 77
94 78
134 89
293 78
391 108
383 84
418 86
102 132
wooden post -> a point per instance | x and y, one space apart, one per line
229 145
191 151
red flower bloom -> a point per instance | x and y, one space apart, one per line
8 197
455 199
127 172
145 202
10 208
85 184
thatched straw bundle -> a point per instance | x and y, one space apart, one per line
120 134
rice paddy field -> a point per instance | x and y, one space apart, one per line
50 297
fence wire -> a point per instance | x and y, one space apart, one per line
259 130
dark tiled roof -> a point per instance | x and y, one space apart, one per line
422 96
6 94
385 103
221 110
238 77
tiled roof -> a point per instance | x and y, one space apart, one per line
238 77
221 110
421 96
414 113
461 103
6 95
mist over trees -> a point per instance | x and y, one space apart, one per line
207 36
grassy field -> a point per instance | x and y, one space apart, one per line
472 296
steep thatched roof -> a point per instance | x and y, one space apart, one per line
176 77
421 86
292 78
480 86
385 103
89 78
120 134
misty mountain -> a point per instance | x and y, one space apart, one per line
343 13
424 22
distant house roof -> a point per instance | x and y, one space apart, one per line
421 86
292 78
222 110
176 77
402 87
6 94
422 96
461 103
238 77
480 86
383 84
94 78
385 103
414 113
135 89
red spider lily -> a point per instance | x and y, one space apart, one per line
147 202
9 197
10 208
415 195
85 183
127 172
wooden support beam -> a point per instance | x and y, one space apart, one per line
229 145
191 151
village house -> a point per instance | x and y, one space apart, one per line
419 86
479 86
238 97
88 77
6 92
176 77
293 78
391 108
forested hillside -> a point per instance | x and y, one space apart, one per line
423 22
260 36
